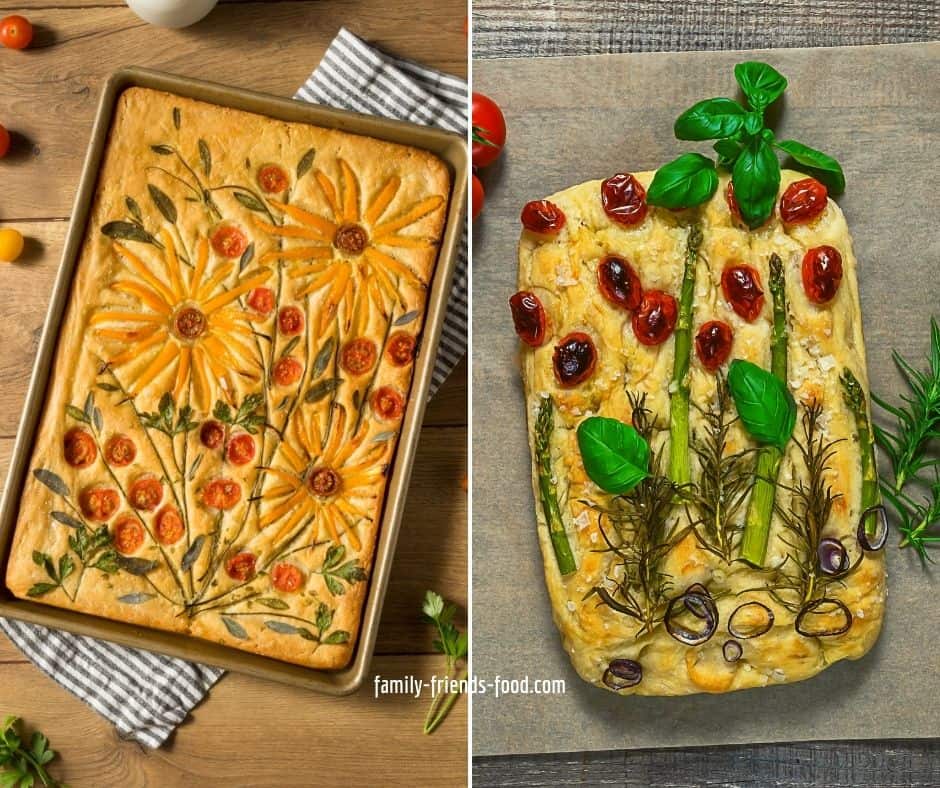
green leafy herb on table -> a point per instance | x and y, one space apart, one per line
23 765
745 148
454 645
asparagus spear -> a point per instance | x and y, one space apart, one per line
679 471
760 507
548 494
855 398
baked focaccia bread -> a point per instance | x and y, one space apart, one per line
230 378
700 434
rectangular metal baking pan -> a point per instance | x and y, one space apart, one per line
450 148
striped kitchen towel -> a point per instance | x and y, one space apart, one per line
146 696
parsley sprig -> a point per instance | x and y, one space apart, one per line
23 765
454 645
745 148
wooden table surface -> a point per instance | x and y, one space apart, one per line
522 28
248 732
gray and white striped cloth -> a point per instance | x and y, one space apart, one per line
146 696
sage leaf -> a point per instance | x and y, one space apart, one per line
384 436
407 317
272 602
615 455
136 599
76 413
125 231
322 389
281 628
322 360
235 629
764 403
305 163
98 419
247 256
192 553
761 83
194 467
66 519
686 181
52 481
756 179
108 387
205 157
306 634
251 202
288 348
176 118
712 119
133 208
824 167
163 202
336 638
162 150
41 588
136 566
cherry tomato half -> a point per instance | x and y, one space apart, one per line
79 448
99 503
619 283
574 359
400 349
542 217
261 300
742 289
221 494
287 371
624 199
211 434
489 130
387 403
803 201
241 566
15 32
290 321
145 493
241 449
228 241
128 535
713 344
168 526
272 179
822 273
477 197
286 577
120 450
655 320
358 356
4 142
528 317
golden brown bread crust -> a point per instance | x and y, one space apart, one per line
823 340
344 229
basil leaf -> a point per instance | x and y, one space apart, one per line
728 152
753 123
711 119
756 178
762 84
689 180
615 455
824 168
764 403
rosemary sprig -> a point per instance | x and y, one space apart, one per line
917 520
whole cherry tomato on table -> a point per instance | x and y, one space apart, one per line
489 130
4 142
15 32
11 245
476 197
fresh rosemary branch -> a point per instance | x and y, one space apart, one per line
22 765
544 424
760 507
915 519
679 387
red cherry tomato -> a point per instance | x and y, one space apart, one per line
241 449
261 300
145 493
99 503
287 371
624 199
286 577
489 130
128 535
477 197
241 566
221 494
528 316
120 450
742 289
619 283
542 217
15 32
358 356
290 321
387 403
272 179
574 359
400 349
713 344
168 526
228 241
655 320
822 273
803 201
79 448
4 142
732 202
212 433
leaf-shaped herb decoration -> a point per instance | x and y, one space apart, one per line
136 599
615 455
272 602
247 256
764 403
823 167
110 387
756 178
163 202
322 360
205 157
761 83
281 628
289 347
322 389
711 119
305 163
76 413
52 480
133 209
324 617
688 180
336 638
251 202
176 118
407 317
162 150
384 436
136 566
38 589
66 519
235 629
193 552
125 231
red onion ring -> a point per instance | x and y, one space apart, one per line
811 608
833 557
623 673
873 543
732 650
746 635
697 601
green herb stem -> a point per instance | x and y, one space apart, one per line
548 492
442 705
854 397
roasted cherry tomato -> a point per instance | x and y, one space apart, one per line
286 577
272 179
713 344
241 449
654 321
99 503
241 566
221 494
742 288
619 283
287 371
624 199
387 403
528 316
324 482
79 448
290 321
477 197
11 244
261 300
15 32
803 201
145 493
168 526
489 130
4 142
128 536
574 359
542 217
228 241
358 356
822 273
120 450
212 434
400 349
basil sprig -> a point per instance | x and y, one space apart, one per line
745 148
615 455
764 403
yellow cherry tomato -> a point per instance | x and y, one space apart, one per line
11 245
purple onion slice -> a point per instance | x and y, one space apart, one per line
697 601
623 673
877 540
833 558
824 606
744 631
732 650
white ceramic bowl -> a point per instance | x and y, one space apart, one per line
171 13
